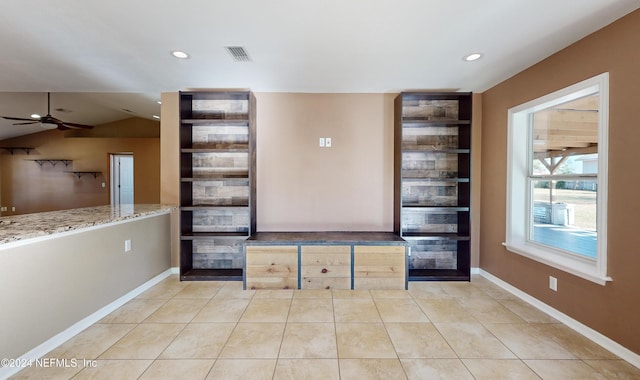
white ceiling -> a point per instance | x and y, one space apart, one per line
296 45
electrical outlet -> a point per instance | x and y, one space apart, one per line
13 209
127 245
553 283
3 208
327 142
321 142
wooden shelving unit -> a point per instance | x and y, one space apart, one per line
433 183
217 184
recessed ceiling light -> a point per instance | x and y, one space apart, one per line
159 102
472 57
35 116
156 116
179 54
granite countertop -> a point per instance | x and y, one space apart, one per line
21 227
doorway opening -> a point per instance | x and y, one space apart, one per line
121 178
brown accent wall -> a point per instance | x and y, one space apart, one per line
32 188
476 177
614 309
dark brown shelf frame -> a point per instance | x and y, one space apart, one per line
432 207
216 110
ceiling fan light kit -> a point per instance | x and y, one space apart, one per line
48 121
47 125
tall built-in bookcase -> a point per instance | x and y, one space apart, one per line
217 182
433 183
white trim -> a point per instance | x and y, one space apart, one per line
79 326
605 342
475 270
175 270
519 192
577 266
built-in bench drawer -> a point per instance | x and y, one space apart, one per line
272 267
325 267
325 260
379 267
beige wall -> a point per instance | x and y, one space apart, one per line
302 187
70 276
31 188
614 309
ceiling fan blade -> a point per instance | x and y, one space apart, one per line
27 123
62 127
76 125
18 118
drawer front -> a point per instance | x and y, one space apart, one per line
325 267
379 267
326 283
271 267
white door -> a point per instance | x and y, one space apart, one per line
121 179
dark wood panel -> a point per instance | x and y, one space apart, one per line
324 238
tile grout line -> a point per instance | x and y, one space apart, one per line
189 323
284 330
233 330
137 325
384 325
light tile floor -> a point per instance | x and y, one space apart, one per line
216 330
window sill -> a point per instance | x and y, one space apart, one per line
583 268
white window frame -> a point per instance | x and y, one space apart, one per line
519 193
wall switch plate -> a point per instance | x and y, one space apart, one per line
321 142
327 142
3 208
13 209
553 283
127 245
104 184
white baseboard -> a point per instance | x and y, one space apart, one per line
475 270
175 270
605 342
79 326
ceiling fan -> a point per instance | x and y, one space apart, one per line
48 121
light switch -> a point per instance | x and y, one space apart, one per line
321 142
327 142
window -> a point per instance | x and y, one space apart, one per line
557 179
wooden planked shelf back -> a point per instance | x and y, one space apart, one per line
432 183
217 182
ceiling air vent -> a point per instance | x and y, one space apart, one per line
238 53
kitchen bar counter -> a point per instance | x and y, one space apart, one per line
59 268
21 227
